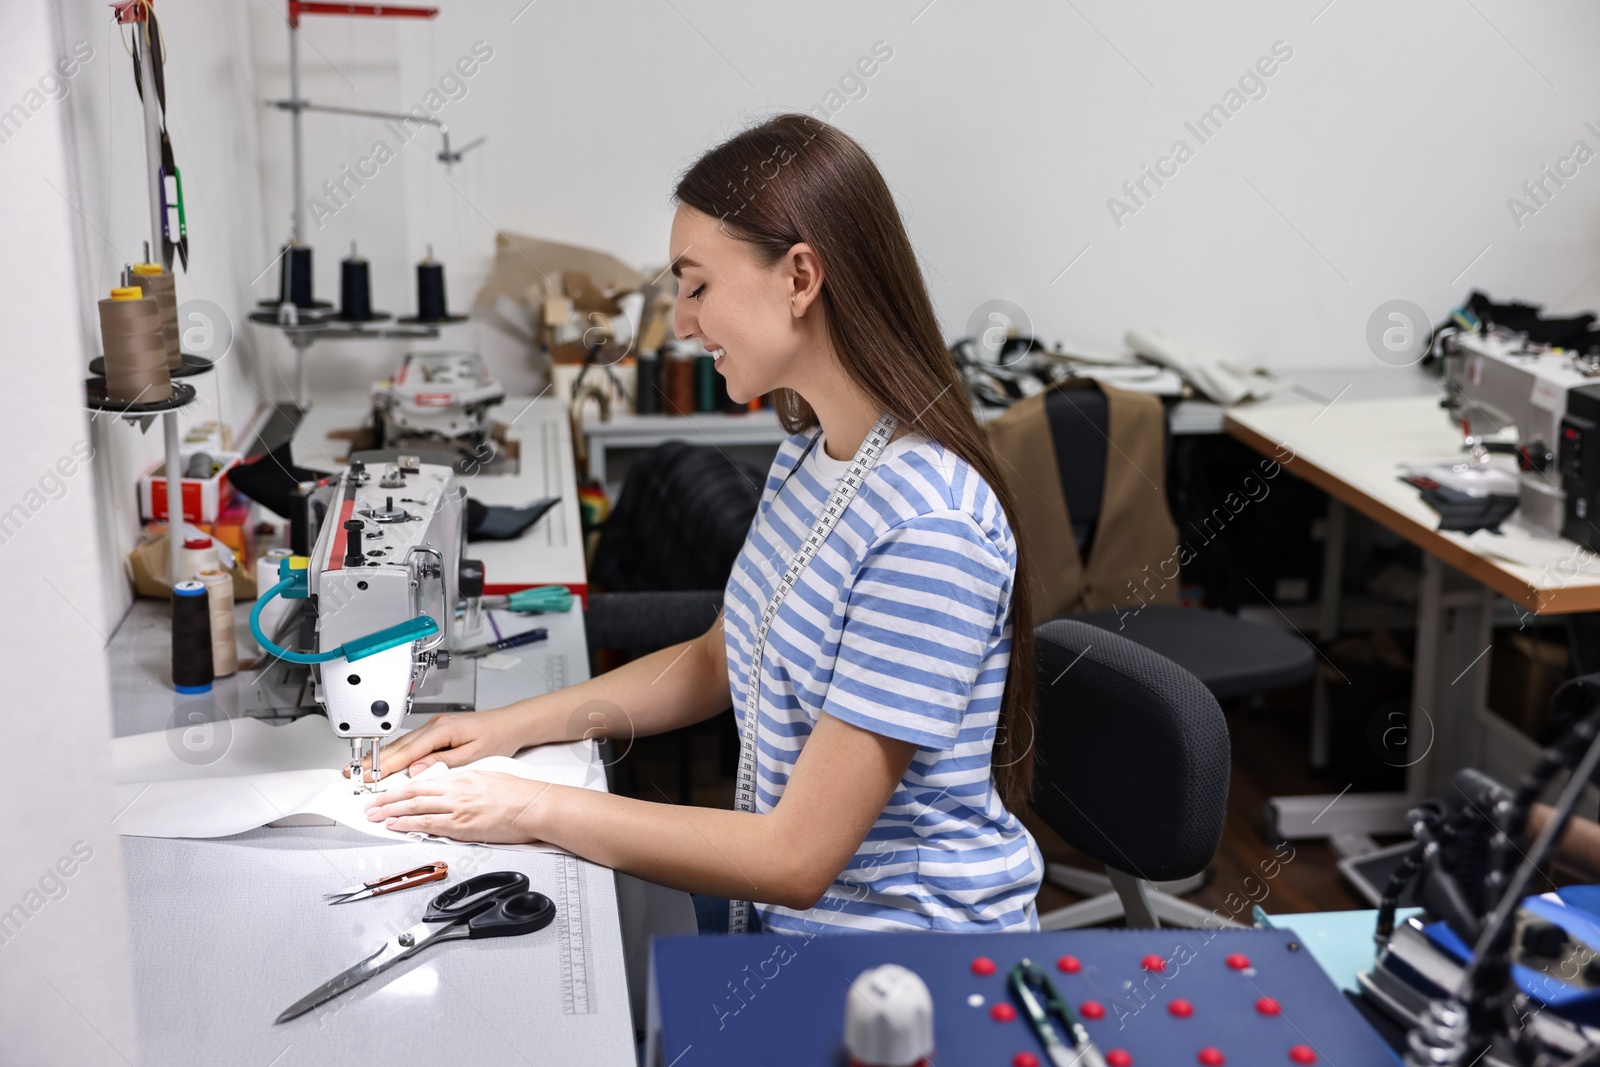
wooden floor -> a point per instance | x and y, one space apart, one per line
1270 747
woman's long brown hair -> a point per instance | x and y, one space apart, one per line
795 179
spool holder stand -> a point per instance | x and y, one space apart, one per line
182 393
301 335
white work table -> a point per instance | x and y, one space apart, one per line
1353 449
548 553
627 430
227 932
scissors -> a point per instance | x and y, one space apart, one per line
1028 983
428 872
497 904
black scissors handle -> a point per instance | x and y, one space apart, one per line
496 904
512 914
478 893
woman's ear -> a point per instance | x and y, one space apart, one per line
805 278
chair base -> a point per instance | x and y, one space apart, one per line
1141 904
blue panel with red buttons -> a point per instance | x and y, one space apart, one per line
1162 998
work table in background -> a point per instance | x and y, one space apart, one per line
551 551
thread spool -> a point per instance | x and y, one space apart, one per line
705 383
677 389
198 554
162 287
647 384
355 288
272 615
431 306
294 277
192 670
136 355
219 597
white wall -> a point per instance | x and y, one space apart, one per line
1377 166
211 121
65 981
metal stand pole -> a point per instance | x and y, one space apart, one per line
302 374
297 146
152 150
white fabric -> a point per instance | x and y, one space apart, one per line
169 786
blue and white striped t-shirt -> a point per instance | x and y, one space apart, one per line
901 626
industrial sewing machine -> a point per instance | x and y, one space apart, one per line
439 402
380 589
1495 381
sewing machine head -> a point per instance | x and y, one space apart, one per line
382 584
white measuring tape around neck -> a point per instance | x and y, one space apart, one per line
744 798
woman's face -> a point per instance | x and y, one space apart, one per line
749 316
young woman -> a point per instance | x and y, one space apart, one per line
895 717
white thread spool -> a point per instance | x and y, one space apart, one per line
888 1018
267 577
219 591
199 554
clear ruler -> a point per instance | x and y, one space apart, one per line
555 664
744 796
572 937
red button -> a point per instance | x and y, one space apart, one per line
1003 1012
1303 1054
1181 1008
1118 1058
1154 963
1239 961
1024 1059
1091 1009
1069 964
983 965
1267 1006
1211 1057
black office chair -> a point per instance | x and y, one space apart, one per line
638 623
1232 656
644 622
1131 766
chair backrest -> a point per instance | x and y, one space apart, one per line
1131 759
1080 429
1078 456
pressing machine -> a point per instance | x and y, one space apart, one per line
1495 381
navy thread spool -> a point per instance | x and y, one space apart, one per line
705 383
647 384
294 279
355 288
430 291
192 669
431 305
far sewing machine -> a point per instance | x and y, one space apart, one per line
381 588
437 404
1494 381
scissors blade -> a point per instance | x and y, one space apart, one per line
383 956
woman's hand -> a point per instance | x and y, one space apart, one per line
467 806
454 738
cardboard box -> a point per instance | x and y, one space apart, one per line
557 285
203 498
1524 671
147 566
